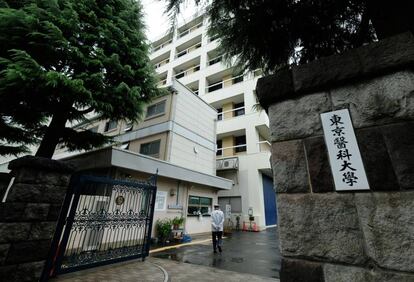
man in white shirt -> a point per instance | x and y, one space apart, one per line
217 222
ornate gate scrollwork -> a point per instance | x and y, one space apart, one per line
103 221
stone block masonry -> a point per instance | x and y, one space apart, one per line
29 216
345 236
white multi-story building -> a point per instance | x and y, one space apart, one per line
243 151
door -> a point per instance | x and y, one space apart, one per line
269 196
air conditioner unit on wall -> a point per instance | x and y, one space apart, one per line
230 163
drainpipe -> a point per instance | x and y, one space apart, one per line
178 192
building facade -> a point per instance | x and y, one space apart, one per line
242 149
168 141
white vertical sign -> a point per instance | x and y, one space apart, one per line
161 201
344 156
228 211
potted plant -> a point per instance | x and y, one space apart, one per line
177 222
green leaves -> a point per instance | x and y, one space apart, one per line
271 34
58 57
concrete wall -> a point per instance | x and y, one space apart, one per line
193 137
348 236
193 224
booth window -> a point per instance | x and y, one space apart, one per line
199 205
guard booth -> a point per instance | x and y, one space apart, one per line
102 221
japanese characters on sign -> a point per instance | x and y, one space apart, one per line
344 156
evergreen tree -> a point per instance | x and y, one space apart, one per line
270 34
62 60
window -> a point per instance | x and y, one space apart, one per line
161 201
241 142
151 149
239 109
220 114
197 205
219 146
234 202
156 109
110 125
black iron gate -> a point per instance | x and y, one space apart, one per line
102 221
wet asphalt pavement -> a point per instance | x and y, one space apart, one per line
244 252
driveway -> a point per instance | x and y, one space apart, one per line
244 252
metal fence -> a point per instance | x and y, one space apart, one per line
103 221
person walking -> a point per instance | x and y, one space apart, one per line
217 222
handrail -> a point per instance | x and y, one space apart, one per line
232 110
189 30
264 142
229 111
187 70
159 64
185 51
231 147
220 82
263 149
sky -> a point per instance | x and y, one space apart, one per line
157 22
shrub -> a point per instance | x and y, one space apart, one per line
163 229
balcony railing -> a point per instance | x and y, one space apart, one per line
188 50
238 112
163 62
187 72
189 30
211 39
224 83
227 163
237 149
215 60
264 146
159 47
161 83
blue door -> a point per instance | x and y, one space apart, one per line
269 196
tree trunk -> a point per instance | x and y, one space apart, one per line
391 17
53 133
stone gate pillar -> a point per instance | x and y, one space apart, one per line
29 216
345 236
